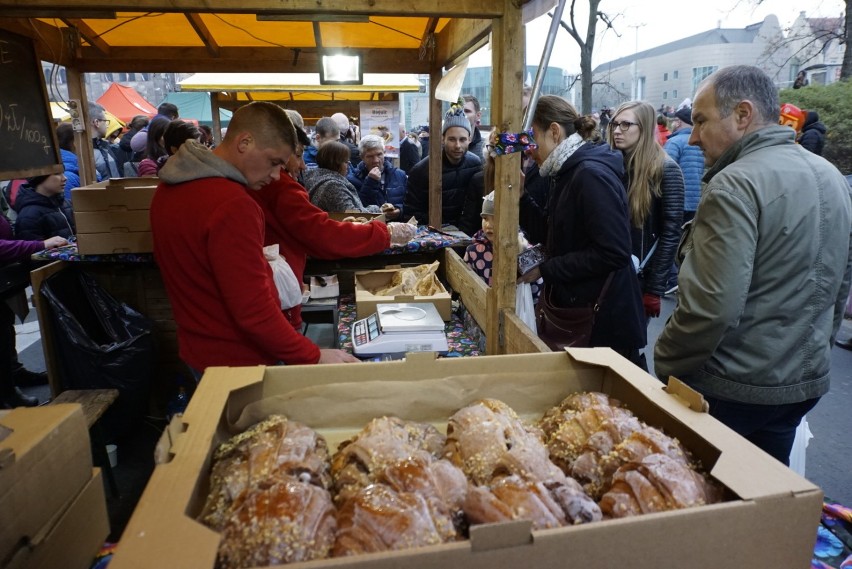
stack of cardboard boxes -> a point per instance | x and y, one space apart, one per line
113 217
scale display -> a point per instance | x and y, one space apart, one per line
399 328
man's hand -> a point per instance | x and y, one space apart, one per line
401 233
533 275
390 211
652 305
54 242
375 174
328 356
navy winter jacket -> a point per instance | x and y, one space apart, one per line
691 162
390 189
41 217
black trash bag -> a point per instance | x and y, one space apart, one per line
101 343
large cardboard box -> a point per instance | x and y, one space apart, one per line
115 218
45 461
74 538
768 520
366 301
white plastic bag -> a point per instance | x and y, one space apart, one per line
524 307
800 445
289 289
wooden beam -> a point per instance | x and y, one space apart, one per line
50 42
203 33
82 139
433 8
519 339
436 159
460 38
88 34
242 59
507 84
467 284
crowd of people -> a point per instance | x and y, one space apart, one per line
715 200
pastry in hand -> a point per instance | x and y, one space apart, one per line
382 442
286 521
657 483
271 449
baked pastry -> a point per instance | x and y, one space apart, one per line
382 442
657 483
572 404
271 449
479 435
378 518
283 522
570 437
591 468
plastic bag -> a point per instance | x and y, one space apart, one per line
289 288
524 307
800 446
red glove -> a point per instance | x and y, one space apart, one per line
652 305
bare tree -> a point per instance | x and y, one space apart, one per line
846 67
587 45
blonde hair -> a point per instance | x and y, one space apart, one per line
643 163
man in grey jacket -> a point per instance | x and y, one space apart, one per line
765 270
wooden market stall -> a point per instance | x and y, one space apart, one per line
262 36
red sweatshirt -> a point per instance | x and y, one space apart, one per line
302 229
208 243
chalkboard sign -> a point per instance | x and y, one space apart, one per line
27 136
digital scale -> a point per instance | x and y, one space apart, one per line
398 328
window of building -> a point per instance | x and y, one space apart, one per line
665 95
674 74
674 93
699 74
665 76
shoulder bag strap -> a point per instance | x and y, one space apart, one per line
605 288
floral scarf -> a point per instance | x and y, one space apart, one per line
560 154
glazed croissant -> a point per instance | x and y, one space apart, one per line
574 403
271 449
570 437
282 522
656 483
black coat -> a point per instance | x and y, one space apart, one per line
813 134
460 206
409 155
41 217
587 236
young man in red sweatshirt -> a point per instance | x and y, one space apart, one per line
208 243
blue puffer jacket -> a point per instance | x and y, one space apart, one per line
691 162
72 172
390 189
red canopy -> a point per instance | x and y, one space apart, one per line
125 103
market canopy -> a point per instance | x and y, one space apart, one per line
125 103
196 107
298 86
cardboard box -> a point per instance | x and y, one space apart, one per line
111 199
114 219
115 242
45 461
768 520
76 536
365 301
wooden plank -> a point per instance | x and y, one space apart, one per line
518 338
507 81
436 159
45 324
95 402
203 33
464 281
433 8
88 34
82 140
460 38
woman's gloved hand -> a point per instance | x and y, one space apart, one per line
401 233
652 305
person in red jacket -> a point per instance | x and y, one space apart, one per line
208 242
301 229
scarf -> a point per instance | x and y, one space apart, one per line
560 154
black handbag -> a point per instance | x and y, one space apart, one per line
560 328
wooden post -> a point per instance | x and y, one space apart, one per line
507 83
82 140
436 158
217 123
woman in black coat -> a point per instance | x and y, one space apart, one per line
585 226
43 211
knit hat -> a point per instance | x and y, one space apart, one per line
488 205
34 181
685 115
456 117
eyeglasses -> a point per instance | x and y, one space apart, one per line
99 121
623 125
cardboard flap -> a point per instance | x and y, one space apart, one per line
499 536
164 452
686 395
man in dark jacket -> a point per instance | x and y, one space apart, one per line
345 129
813 134
459 206
474 116
105 162
409 150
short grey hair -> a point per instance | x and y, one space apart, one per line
371 142
326 128
738 82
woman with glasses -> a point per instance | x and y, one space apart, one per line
654 196
584 227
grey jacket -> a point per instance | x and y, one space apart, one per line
764 277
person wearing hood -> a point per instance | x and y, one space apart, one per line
813 134
381 182
42 209
586 229
208 242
